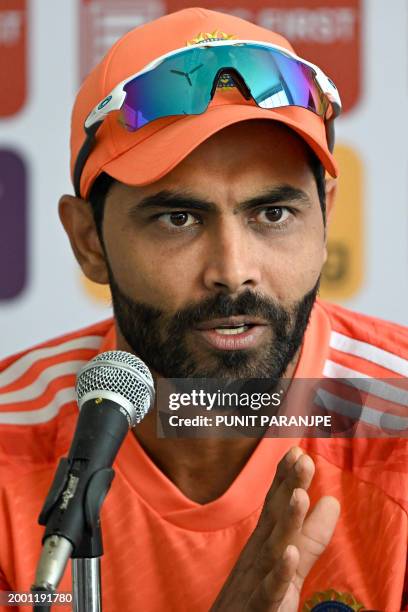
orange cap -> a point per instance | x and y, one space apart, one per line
144 156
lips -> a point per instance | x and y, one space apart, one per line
233 333
231 322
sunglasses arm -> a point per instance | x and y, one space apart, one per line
83 155
335 110
113 101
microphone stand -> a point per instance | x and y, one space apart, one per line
86 573
86 557
86 585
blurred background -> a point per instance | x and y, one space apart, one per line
48 46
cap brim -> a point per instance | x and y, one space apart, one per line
152 158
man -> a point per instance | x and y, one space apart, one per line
208 220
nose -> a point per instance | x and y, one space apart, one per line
232 261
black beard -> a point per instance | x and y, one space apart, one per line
161 341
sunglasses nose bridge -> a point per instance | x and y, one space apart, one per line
236 77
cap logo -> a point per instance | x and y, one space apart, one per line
225 82
210 37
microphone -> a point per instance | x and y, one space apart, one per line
115 391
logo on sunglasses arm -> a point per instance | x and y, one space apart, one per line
104 102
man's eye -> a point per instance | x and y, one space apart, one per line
177 219
274 215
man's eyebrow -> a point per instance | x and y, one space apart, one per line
172 199
281 194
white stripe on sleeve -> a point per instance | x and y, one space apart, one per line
41 415
374 386
17 369
37 388
370 352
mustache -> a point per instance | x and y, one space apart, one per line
223 305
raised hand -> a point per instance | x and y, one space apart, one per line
285 544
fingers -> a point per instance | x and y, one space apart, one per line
272 508
300 475
317 532
283 471
274 587
323 519
284 512
310 534
284 466
286 531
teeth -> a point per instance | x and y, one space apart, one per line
231 331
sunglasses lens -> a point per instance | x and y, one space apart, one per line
182 84
179 85
276 80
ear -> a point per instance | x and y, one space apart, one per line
77 218
331 192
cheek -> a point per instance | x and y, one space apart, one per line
293 269
148 273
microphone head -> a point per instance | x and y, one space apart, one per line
121 377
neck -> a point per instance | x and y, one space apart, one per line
193 465
202 468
